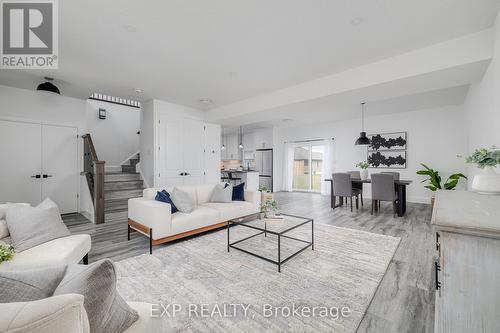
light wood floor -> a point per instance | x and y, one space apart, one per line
404 301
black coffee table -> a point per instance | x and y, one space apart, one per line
277 228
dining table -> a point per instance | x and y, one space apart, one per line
400 187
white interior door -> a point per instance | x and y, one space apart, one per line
170 151
193 151
60 166
21 159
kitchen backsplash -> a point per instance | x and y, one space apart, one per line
231 164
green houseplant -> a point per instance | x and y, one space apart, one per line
488 181
364 169
269 207
435 180
6 253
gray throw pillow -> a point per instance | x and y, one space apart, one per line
30 285
32 226
182 201
106 309
222 194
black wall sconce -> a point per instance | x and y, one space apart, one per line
102 113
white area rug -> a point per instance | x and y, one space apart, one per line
217 291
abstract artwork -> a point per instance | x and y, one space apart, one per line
387 159
388 141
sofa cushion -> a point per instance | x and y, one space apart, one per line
62 251
30 285
222 193
164 197
4 230
233 210
200 217
146 322
182 200
64 313
106 309
31 226
204 193
239 192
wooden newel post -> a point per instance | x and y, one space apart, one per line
99 192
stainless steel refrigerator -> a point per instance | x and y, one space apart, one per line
264 165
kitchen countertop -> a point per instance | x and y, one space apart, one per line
467 213
239 171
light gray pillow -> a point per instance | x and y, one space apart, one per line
106 309
182 201
4 230
32 226
30 285
222 194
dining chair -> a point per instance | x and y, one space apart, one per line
357 175
395 174
383 190
342 187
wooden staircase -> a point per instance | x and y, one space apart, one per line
121 186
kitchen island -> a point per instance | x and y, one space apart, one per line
250 178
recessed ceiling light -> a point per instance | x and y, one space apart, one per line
130 28
287 120
139 90
206 101
357 21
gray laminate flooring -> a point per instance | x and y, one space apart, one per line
404 301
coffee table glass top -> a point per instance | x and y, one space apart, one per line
273 226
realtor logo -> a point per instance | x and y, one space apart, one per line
29 38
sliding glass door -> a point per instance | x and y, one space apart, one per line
307 167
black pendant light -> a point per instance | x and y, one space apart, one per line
48 86
363 139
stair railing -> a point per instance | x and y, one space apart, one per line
93 169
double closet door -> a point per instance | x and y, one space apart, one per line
180 151
39 161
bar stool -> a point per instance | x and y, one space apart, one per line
234 180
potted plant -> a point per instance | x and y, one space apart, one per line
265 194
6 253
364 169
434 180
488 181
269 208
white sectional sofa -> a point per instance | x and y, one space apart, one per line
154 219
61 251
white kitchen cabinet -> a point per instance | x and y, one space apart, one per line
232 151
263 138
249 142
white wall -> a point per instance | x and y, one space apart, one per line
115 137
435 137
482 105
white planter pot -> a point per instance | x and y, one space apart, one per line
487 182
364 174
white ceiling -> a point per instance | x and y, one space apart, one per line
229 50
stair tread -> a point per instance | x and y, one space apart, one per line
121 173
125 189
124 181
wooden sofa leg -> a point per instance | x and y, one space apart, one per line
86 259
128 232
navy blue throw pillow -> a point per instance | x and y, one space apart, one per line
164 196
239 192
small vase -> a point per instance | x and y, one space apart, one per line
487 182
364 174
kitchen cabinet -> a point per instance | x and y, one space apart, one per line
232 151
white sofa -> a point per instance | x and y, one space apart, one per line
154 219
61 251
65 313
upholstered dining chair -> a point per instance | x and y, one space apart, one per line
359 186
342 187
383 190
395 174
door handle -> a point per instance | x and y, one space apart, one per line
36 176
182 174
186 174
47 176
